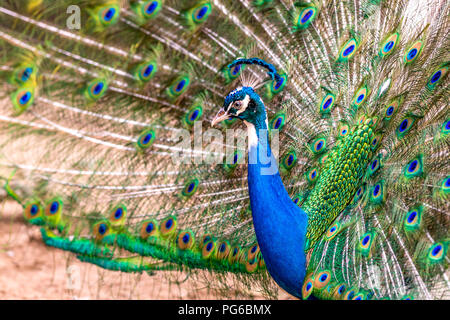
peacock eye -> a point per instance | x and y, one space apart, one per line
238 104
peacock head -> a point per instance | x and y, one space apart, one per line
243 102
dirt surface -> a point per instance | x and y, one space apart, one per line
31 270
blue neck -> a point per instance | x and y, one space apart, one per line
280 225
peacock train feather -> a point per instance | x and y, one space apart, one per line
106 112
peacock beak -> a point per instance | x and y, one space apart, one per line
220 116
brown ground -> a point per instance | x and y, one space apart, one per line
31 270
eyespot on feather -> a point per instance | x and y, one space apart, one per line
209 250
253 251
413 52
148 228
223 249
186 240
388 46
348 50
321 279
33 212
101 229
308 286
118 215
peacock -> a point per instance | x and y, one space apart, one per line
303 143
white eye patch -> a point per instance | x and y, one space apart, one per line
244 105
